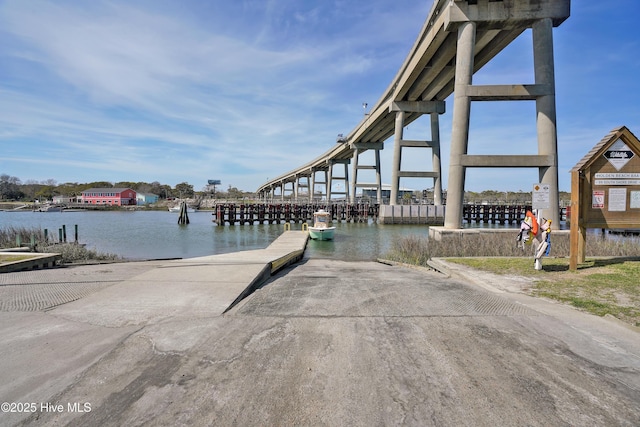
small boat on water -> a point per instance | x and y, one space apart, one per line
176 209
321 229
49 208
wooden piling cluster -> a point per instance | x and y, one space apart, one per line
494 214
500 214
276 213
183 217
62 234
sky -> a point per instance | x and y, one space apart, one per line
242 91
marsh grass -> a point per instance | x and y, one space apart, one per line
9 236
418 249
607 283
71 252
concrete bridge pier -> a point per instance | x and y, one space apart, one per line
397 158
546 112
312 185
460 124
401 108
300 184
542 92
344 179
358 149
284 189
437 165
315 183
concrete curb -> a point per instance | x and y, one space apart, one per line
405 265
264 275
36 261
270 269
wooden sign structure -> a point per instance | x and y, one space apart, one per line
605 189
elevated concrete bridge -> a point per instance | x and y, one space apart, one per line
458 38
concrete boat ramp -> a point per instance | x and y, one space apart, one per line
325 343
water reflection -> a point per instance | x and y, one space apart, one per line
361 241
156 234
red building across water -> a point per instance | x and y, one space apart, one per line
109 196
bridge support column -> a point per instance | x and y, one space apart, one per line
460 130
312 185
315 182
546 112
437 167
378 179
543 92
284 189
359 148
354 175
329 182
298 184
402 108
397 158
332 178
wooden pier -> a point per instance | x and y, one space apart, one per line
277 213
500 214
494 214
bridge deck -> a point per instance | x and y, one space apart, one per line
428 72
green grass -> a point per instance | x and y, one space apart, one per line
13 258
599 286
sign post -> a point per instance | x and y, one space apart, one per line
213 183
541 196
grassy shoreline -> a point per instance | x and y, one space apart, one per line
71 252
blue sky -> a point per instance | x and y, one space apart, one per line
245 90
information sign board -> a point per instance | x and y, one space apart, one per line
605 189
541 196
617 199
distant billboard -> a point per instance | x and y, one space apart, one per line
214 182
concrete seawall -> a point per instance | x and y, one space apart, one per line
411 214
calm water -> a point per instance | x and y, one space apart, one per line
156 234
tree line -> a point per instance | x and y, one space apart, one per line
12 188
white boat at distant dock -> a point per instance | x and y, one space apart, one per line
49 208
176 209
321 229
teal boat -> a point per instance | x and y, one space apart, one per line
321 229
